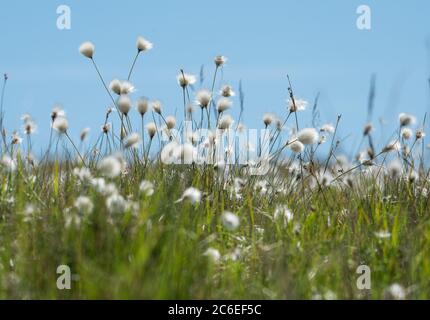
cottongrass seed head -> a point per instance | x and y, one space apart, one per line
143 45
230 221
60 124
191 195
110 166
308 136
87 49
185 79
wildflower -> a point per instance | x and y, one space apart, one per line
227 91
167 154
143 45
220 60
282 212
152 129
16 139
170 122
142 106
147 188
212 254
297 105
395 169
406 119
328 127
84 204
185 79
60 124
268 119
127 87
395 292
308 136
29 127
116 203
115 86
110 167
57 112
186 152
223 104
8 163
84 133
406 133
225 122
367 129
230 221
156 106
192 195
87 49
392 146
106 127
297 147
132 141
420 134
203 98
124 104
83 174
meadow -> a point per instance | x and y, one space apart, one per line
167 209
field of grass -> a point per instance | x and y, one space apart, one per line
131 226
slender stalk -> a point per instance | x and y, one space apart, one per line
76 149
133 64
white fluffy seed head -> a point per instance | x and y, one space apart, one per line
392 146
225 122
191 195
406 119
124 104
127 87
406 133
84 204
308 136
328 128
142 106
143 45
203 97
297 147
132 141
220 60
230 221
395 292
268 119
115 86
156 106
297 105
151 128
147 188
110 167
420 134
185 79
87 49
84 133
227 91
57 112
223 104
213 255
60 124
170 122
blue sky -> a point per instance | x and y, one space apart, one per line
316 42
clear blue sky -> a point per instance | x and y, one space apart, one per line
316 42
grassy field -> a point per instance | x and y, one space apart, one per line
129 225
